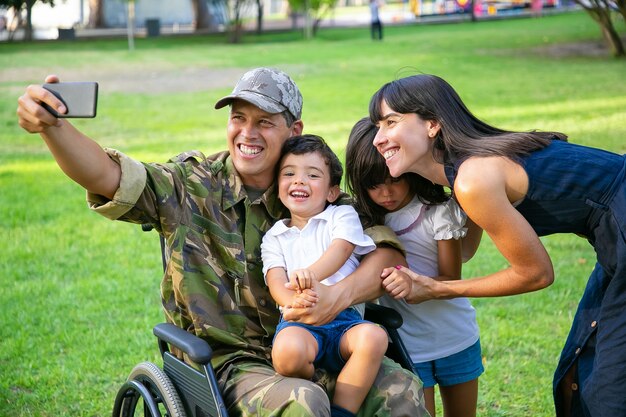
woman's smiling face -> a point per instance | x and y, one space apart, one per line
404 140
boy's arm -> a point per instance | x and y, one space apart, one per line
81 158
333 258
276 279
362 285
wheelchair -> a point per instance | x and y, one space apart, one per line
178 389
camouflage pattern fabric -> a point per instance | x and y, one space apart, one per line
269 89
254 389
213 283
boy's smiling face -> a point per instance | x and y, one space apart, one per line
304 186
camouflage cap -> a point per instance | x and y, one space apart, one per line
269 89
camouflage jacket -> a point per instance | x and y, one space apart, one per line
213 283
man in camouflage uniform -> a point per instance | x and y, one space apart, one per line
213 213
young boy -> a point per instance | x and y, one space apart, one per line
319 244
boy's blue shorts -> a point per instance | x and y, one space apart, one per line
458 368
328 338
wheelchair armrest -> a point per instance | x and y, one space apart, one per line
386 316
197 349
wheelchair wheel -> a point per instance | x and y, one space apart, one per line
147 383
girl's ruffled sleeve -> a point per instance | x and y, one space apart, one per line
449 221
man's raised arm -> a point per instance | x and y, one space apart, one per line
81 158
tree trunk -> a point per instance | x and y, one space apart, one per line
202 18
600 11
259 17
96 14
28 28
621 8
612 38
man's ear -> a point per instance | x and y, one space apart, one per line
333 193
297 128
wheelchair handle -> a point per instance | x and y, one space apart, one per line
197 349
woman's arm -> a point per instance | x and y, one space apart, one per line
485 188
399 284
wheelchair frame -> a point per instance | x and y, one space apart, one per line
179 390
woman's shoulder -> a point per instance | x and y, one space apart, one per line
485 174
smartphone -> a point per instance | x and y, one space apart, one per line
80 98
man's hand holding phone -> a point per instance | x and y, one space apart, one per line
79 98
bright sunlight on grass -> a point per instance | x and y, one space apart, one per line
80 294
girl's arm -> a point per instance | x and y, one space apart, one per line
485 188
449 259
471 241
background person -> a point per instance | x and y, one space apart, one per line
518 186
376 26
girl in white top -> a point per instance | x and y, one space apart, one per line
442 336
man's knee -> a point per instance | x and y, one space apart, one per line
254 390
396 393
298 398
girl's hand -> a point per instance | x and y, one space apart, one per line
397 283
302 279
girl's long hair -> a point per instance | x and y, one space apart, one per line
462 134
366 168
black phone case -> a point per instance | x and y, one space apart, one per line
80 98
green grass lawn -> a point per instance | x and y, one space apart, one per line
80 294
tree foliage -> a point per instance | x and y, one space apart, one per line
314 12
21 6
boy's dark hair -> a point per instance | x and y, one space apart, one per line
304 144
366 168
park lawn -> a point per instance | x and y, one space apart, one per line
80 294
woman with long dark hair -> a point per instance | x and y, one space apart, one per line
518 186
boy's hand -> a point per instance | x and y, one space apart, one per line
302 278
302 297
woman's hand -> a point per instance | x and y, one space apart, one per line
396 282
422 288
